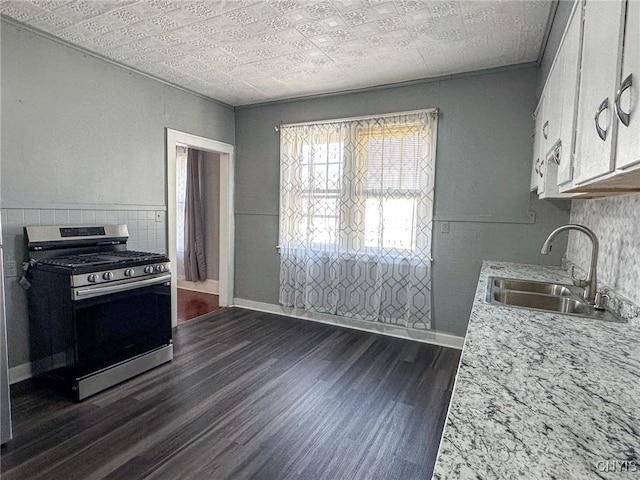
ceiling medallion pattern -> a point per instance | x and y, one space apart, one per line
242 52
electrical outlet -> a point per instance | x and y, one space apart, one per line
444 227
10 269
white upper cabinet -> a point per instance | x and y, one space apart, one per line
571 48
601 62
587 139
628 94
555 116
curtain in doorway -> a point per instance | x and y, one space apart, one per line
190 224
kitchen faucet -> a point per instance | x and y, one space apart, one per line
590 283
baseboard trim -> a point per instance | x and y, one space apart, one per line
207 286
434 338
19 373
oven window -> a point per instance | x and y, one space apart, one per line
117 327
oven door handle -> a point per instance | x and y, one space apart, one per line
98 291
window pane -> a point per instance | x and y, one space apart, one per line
372 222
389 223
323 230
374 165
392 170
410 163
326 206
321 166
334 174
319 180
320 218
304 183
393 163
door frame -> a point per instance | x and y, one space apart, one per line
227 223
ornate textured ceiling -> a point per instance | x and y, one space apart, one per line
242 52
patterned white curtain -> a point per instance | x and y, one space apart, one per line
356 210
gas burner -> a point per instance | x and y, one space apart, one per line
89 259
102 259
133 254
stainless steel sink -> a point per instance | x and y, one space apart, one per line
532 286
536 301
544 297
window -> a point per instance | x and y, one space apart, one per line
362 185
321 182
390 160
356 203
181 193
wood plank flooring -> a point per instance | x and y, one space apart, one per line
248 396
192 304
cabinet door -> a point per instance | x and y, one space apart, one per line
550 129
602 40
572 49
538 144
628 141
555 92
542 176
533 185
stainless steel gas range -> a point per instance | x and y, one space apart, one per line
99 314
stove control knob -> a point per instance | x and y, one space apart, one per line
128 272
92 278
159 268
148 269
107 276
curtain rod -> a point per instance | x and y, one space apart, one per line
365 117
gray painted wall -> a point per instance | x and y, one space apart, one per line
482 181
78 130
81 135
211 204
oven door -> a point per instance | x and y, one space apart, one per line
124 322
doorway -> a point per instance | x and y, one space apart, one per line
225 153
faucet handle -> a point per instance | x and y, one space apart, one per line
578 282
601 300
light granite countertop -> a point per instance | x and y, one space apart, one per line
541 395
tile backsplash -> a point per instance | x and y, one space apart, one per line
616 222
147 228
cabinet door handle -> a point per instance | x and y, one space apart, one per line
602 132
622 115
557 153
545 129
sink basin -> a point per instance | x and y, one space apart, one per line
544 297
531 286
552 303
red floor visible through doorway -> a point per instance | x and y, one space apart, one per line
193 304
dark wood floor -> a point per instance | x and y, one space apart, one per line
193 304
247 396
